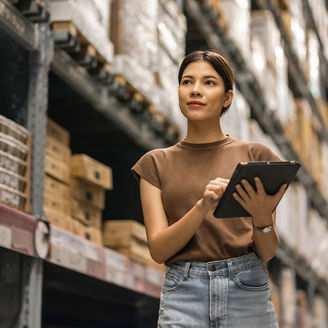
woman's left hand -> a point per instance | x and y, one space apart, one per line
257 202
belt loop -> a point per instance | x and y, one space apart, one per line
186 270
230 268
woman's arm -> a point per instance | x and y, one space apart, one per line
261 205
165 241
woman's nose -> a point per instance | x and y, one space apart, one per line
196 90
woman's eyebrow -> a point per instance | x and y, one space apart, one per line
204 77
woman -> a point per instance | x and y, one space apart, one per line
216 276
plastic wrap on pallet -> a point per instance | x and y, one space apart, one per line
171 27
320 313
317 244
137 25
235 121
288 297
320 16
90 19
313 64
297 29
256 134
239 24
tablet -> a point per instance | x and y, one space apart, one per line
272 175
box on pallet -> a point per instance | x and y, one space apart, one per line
59 219
85 191
14 164
57 150
127 237
57 132
83 166
57 170
91 233
55 188
87 214
57 203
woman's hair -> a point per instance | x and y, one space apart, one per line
218 62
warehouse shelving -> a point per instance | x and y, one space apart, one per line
75 267
216 37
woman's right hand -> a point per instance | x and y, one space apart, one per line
212 194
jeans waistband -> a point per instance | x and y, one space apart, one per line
232 265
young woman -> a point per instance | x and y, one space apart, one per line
216 275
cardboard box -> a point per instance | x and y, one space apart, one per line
87 214
57 132
13 197
58 151
58 204
127 237
12 163
88 192
87 168
12 180
57 170
14 130
13 147
87 232
59 219
56 188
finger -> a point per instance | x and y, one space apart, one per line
212 195
281 192
223 180
238 199
248 187
259 186
242 193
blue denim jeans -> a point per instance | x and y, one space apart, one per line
230 293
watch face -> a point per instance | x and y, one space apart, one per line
266 229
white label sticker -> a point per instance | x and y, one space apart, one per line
5 236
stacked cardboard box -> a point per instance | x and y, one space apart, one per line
57 204
14 164
90 180
129 237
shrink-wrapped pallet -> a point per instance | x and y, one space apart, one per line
91 19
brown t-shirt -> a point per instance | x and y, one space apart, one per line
182 173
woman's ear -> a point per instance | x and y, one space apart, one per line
228 99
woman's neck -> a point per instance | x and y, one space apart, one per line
204 133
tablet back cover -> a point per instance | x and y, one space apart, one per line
272 175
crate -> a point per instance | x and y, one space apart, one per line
13 147
88 192
13 198
59 219
57 188
14 130
12 163
12 180
87 214
58 133
87 168
56 203
87 232
58 151
57 170
127 237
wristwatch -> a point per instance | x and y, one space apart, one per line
265 229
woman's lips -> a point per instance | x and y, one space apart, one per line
195 104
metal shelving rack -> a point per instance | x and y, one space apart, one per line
96 266
216 37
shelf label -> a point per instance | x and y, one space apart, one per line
68 250
5 236
91 251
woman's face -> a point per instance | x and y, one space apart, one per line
201 92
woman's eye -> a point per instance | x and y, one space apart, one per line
209 82
186 82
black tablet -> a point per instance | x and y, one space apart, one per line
272 175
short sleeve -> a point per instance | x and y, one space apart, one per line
148 168
262 152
